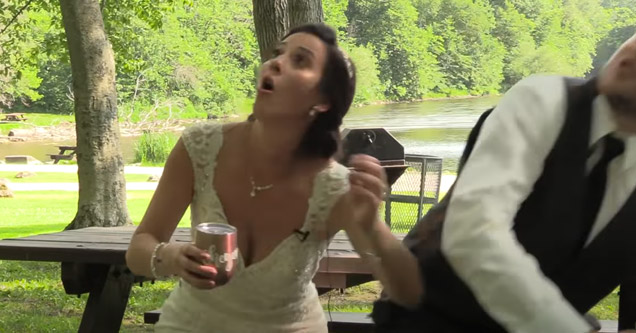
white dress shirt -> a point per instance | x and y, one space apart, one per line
508 157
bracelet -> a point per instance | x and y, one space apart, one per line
156 259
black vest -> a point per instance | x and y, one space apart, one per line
548 225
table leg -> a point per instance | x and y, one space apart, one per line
627 305
109 288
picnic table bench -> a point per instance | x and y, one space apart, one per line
62 154
93 261
14 117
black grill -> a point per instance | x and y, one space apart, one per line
379 143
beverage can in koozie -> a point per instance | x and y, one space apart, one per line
219 240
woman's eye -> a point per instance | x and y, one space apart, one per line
299 59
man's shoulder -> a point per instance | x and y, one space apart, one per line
544 93
542 83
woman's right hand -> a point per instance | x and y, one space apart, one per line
185 260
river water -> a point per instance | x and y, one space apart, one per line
437 127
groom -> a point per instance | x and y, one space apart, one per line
541 223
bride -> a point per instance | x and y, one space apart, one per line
270 177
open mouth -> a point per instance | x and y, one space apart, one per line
267 84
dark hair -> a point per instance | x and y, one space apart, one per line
338 85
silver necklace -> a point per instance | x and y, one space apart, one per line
256 189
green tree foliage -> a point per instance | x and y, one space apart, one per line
407 67
18 54
470 58
369 88
585 24
192 58
543 36
514 30
203 56
335 16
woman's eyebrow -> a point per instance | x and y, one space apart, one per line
307 51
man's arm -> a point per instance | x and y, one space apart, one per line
477 238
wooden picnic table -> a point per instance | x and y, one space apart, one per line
93 261
63 149
14 117
62 154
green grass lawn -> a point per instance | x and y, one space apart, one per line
32 298
36 212
60 177
404 215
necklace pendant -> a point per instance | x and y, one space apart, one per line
256 189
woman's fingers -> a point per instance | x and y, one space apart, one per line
192 268
368 189
369 165
195 253
369 175
197 281
368 182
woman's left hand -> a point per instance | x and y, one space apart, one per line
368 190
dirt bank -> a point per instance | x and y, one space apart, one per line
65 131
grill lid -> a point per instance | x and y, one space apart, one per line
376 142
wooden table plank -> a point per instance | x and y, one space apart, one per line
330 281
118 233
91 236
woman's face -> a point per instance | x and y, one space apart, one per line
288 84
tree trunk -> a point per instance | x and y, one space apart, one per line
271 20
102 187
304 11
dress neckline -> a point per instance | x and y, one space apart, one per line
316 188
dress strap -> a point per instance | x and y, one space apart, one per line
203 142
329 186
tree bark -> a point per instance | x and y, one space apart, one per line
271 20
304 11
102 187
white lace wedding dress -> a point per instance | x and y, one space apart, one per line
275 294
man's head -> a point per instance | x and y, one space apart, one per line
617 81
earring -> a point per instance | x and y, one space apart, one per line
312 112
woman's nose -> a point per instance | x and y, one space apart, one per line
275 65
